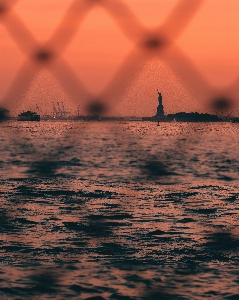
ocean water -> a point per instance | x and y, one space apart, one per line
123 210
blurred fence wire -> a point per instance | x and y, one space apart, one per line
158 42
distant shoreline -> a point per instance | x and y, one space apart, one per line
127 120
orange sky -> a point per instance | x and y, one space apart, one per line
99 47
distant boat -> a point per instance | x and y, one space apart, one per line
174 120
28 116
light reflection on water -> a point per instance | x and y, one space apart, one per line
110 210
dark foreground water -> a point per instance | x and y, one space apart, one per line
119 211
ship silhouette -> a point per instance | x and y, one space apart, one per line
28 116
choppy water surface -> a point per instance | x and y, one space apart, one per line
119 210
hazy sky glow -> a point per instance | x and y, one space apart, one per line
99 47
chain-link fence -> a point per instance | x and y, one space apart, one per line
158 42
47 161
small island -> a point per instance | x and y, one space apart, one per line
180 116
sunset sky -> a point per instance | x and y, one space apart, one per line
100 46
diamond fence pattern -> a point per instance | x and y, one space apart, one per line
158 43
148 43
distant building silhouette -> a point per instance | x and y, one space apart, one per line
160 116
180 116
160 109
